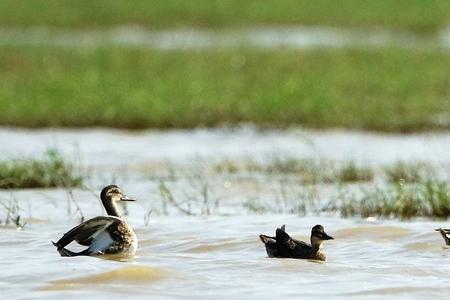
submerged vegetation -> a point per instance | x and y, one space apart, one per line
49 171
276 185
12 215
303 186
418 15
373 89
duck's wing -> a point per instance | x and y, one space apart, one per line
300 245
289 247
87 231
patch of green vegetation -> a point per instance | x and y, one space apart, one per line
50 171
141 88
430 199
350 172
402 172
227 166
406 14
309 170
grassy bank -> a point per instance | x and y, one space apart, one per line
386 90
430 199
405 14
48 171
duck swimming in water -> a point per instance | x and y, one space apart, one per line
282 245
105 234
444 233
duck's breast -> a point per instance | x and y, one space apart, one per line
134 246
128 239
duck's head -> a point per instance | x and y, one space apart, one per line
318 235
113 194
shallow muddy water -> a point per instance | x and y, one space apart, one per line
216 253
222 257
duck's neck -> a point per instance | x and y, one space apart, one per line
317 250
316 244
111 208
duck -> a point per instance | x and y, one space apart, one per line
444 233
283 246
104 234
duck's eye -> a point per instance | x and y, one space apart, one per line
115 191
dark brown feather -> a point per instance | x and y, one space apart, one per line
86 231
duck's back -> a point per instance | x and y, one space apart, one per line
290 248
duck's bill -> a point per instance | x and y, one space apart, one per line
126 198
327 237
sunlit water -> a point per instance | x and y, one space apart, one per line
114 148
299 37
216 253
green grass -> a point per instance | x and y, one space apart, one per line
310 171
402 172
50 171
350 172
419 15
383 90
430 199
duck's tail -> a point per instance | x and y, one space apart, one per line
271 245
266 239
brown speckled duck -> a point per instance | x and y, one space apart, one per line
105 234
283 246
